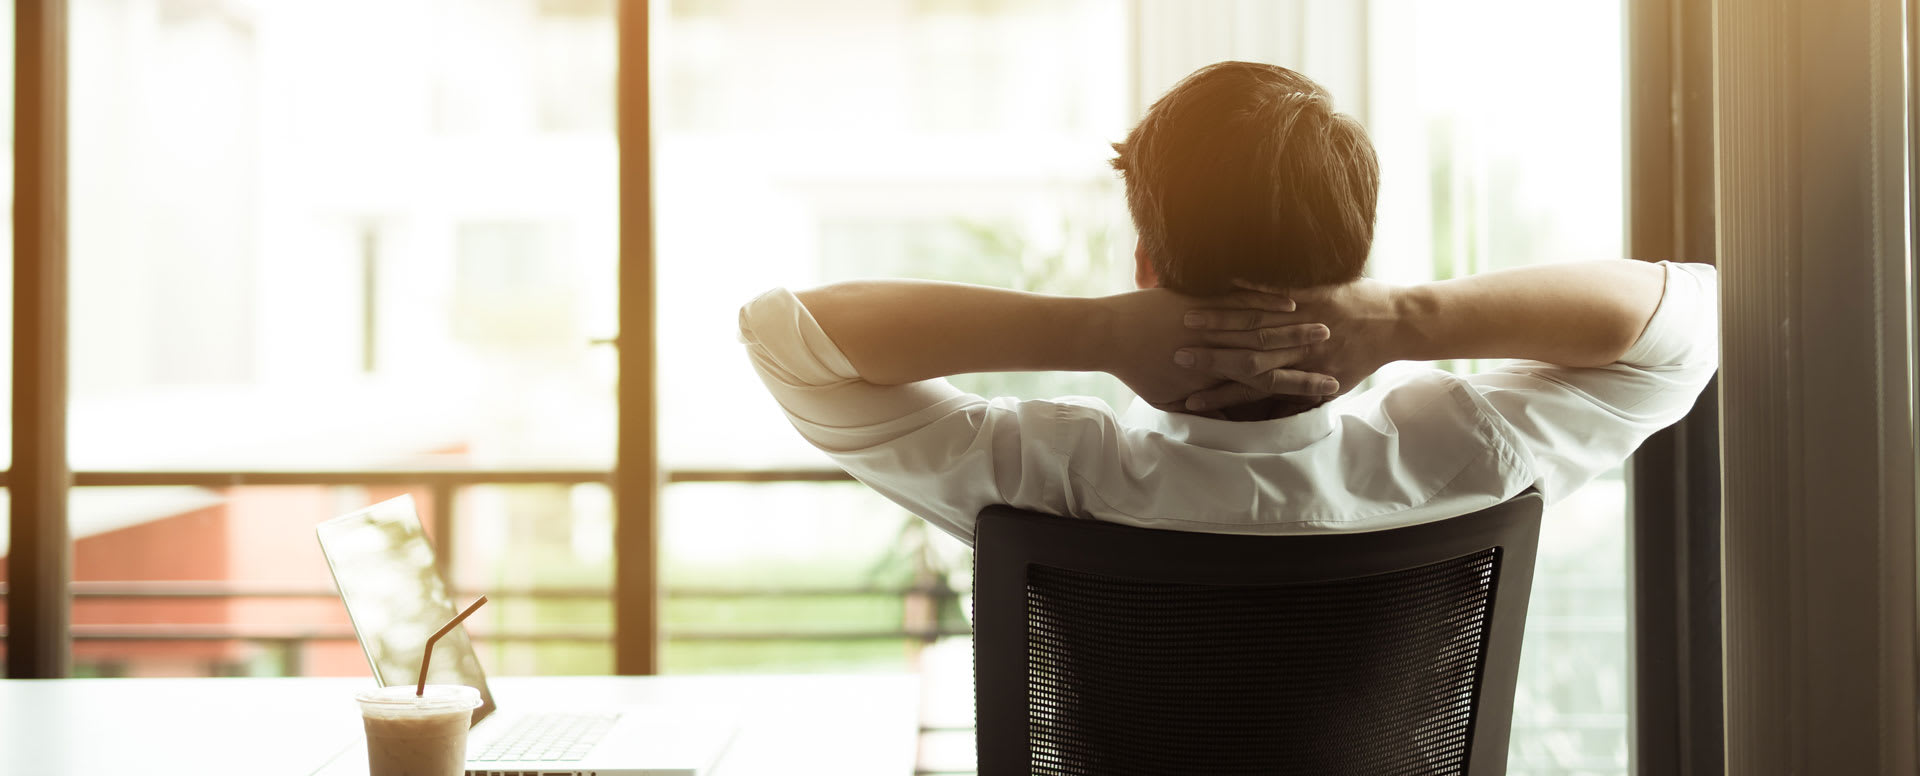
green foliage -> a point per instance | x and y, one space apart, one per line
715 657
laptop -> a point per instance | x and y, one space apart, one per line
384 567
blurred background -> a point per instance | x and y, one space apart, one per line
348 239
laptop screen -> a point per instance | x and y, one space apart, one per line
384 568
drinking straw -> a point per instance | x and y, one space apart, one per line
421 690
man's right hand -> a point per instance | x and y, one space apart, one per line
1361 318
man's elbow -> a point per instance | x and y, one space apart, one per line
1643 291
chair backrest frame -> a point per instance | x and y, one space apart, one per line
1008 541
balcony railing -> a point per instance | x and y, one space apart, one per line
440 518
288 643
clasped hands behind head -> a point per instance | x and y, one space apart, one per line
1258 352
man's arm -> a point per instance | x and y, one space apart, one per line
903 331
849 368
895 332
1586 314
1604 354
1583 314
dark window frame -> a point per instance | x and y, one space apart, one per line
1676 720
39 562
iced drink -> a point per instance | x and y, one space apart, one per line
410 735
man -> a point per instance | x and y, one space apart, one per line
1254 203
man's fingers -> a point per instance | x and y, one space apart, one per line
1276 301
1239 320
1228 394
1295 382
1277 382
1262 288
1239 364
1306 295
1271 338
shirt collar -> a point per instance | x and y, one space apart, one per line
1289 433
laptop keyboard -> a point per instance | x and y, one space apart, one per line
553 737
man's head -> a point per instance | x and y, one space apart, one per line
1244 172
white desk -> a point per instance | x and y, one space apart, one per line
838 725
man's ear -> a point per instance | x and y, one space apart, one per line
1144 276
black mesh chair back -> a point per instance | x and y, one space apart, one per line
1109 650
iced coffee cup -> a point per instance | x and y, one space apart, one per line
417 735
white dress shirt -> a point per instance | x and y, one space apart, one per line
1421 447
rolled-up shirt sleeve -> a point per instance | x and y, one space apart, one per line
942 453
818 387
1578 423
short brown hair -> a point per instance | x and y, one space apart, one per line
1243 171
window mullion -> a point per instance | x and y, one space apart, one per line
637 478
39 567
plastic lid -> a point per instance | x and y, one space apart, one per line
438 697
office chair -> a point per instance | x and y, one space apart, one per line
1110 650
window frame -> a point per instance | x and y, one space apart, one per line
39 556
1676 719
636 479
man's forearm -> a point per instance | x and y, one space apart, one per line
902 331
1576 314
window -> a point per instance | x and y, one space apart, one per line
304 280
1486 165
322 244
